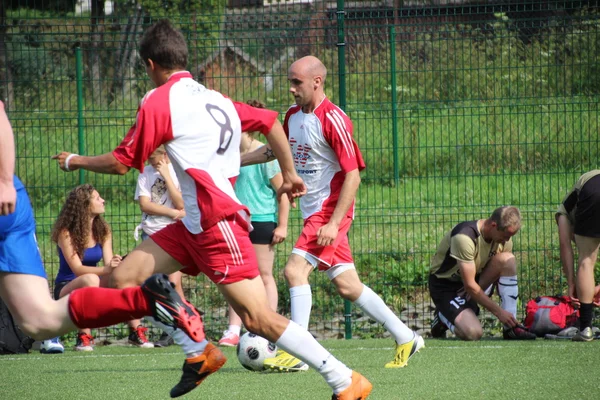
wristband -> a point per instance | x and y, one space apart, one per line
69 159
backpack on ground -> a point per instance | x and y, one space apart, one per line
550 315
12 340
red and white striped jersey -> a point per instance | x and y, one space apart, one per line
324 151
201 131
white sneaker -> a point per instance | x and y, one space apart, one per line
52 346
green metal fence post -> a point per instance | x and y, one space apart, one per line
80 127
394 103
341 45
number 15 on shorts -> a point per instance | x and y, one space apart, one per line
458 302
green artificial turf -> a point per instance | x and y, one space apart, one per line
448 369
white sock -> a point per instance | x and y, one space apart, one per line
235 329
189 347
300 343
301 302
446 322
509 293
375 308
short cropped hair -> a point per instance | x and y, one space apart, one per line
165 45
507 216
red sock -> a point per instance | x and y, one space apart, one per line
94 307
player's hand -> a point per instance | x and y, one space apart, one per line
327 234
8 197
279 234
507 319
597 296
163 168
177 214
115 261
572 293
292 187
61 158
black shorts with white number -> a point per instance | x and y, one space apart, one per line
449 298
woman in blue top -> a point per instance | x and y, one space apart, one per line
84 238
256 187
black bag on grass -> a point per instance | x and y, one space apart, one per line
12 340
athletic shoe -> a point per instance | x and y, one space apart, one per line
85 342
138 338
285 362
585 335
229 339
405 351
359 389
195 370
52 346
165 340
519 332
438 328
170 309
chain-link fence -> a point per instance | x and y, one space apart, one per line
458 107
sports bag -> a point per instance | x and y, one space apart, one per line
549 314
12 340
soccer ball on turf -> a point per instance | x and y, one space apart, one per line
252 350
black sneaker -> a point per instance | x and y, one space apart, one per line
165 340
197 369
438 328
170 309
138 338
519 332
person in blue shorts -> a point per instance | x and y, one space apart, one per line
23 283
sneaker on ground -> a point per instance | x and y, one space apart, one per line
285 362
52 346
405 351
229 339
519 332
138 338
585 335
195 370
170 309
359 389
438 328
84 342
165 340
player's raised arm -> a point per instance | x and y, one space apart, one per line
265 121
8 194
103 164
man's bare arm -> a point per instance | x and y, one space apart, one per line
468 273
103 164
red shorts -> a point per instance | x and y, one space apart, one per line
223 252
329 256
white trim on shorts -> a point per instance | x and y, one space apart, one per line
314 261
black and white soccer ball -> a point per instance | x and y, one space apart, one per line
252 350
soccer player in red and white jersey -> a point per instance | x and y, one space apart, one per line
201 131
329 161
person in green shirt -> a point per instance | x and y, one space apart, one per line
256 187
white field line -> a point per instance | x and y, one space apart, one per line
55 357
